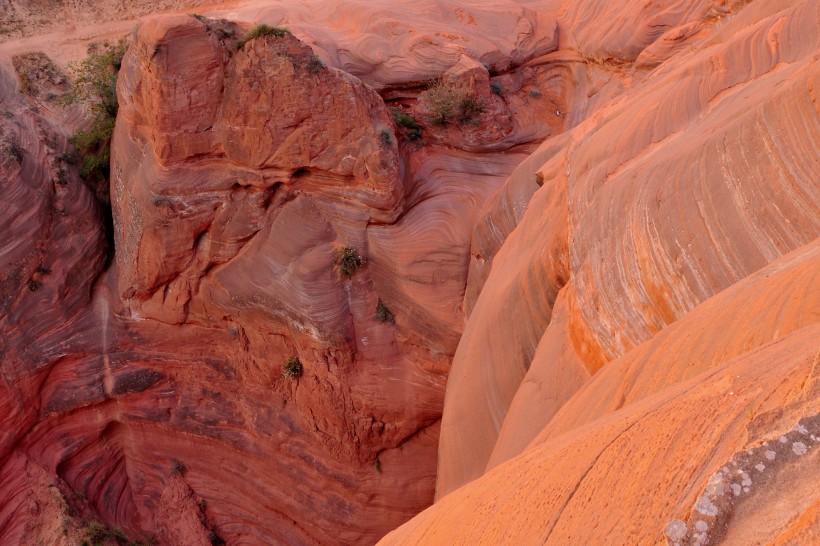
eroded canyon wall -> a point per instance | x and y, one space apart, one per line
664 284
155 399
700 174
617 252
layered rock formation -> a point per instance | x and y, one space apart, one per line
643 214
616 248
652 345
239 173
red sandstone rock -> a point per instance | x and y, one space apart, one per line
236 176
628 328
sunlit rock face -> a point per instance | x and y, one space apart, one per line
700 172
663 279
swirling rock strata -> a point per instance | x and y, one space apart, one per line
159 405
643 213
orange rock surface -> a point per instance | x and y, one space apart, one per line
670 458
644 212
603 280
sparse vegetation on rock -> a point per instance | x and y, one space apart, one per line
39 77
347 261
260 31
385 138
470 108
292 368
407 122
99 534
96 82
383 314
315 64
11 149
178 468
448 102
221 27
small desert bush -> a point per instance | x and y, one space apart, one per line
12 150
315 64
99 534
383 314
496 88
469 109
385 138
449 102
292 367
96 82
347 261
260 31
407 122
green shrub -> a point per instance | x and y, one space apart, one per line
347 261
260 31
383 314
535 93
406 121
95 146
96 81
292 367
34 285
96 75
496 88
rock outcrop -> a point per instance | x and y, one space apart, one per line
643 213
669 249
240 175
613 241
